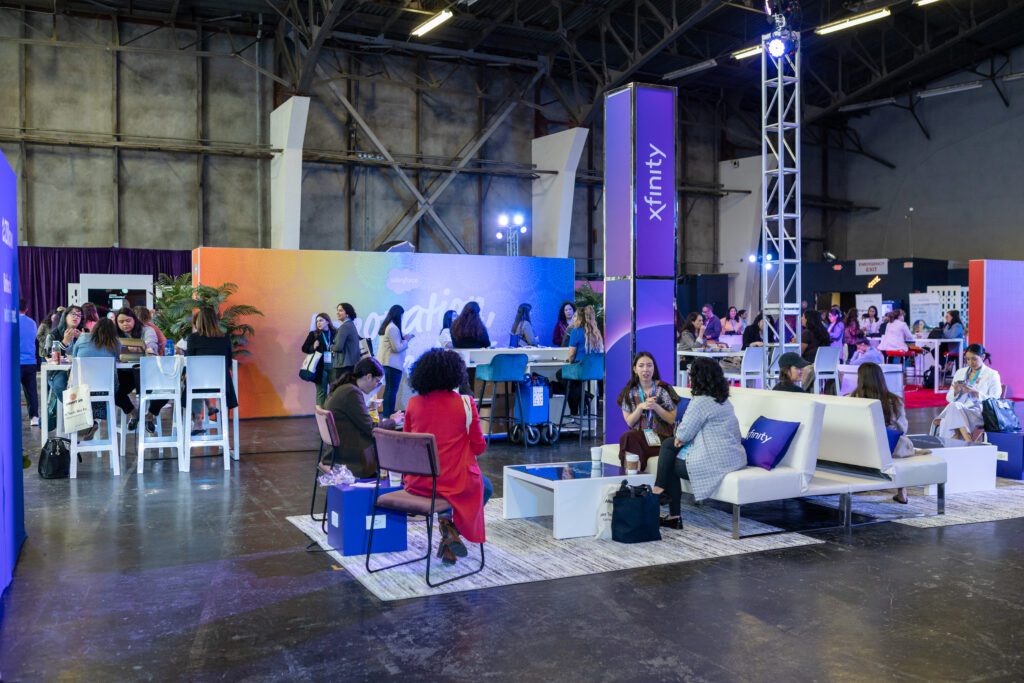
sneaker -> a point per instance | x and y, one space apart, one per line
150 425
34 422
133 422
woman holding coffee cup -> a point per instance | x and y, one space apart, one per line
649 408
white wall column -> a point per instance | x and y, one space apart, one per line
739 234
553 193
287 133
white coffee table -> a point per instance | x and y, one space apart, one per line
969 466
569 492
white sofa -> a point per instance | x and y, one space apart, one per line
840 449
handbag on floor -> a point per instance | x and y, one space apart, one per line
307 372
55 459
999 415
635 513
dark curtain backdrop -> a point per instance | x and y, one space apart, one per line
45 272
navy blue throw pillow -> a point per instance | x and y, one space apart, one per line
681 408
893 435
767 441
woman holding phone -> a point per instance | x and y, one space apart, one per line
972 385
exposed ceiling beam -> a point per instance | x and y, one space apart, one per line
320 35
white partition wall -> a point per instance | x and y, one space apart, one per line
287 133
553 193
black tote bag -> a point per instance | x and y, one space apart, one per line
635 513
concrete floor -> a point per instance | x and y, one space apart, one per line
197 576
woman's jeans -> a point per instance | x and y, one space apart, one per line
321 387
488 492
392 380
670 470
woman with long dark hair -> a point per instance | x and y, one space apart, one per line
731 322
62 339
347 402
102 342
391 354
753 335
522 328
468 330
851 332
649 409
813 336
319 341
692 335
565 314
130 327
870 322
972 385
952 328
836 328
871 384
444 340
707 444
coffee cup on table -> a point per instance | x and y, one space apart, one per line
632 463
595 454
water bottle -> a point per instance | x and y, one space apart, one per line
169 348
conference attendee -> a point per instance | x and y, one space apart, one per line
584 338
836 328
707 444
565 314
345 343
753 335
102 342
43 333
712 325
896 334
814 335
319 341
851 332
692 336
870 322
871 384
973 384
347 402
145 316
62 340
468 330
444 340
649 409
28 361
522 329
953 328
391 354
885 322
129 327
791 373
731 322
90 316
438 409
207 339
742 317
865 353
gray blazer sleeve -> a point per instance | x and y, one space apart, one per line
693 419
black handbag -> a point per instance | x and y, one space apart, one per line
999 415
635 513
55 459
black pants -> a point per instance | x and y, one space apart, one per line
127 382
28 384
670 470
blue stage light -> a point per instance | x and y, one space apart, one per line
518 219
523 229
503 220
499 235
752 258
777 47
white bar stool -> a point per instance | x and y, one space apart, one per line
98 373
826 367
206 379
750 367
160 380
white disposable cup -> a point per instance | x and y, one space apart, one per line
632 463
394 478
595 454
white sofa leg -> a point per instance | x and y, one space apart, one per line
736 521
941 498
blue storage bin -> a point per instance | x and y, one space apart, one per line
532 397
348 521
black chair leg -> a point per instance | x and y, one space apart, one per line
316 477
323 521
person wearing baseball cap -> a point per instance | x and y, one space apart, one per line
791 372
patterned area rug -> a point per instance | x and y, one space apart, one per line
523 550
1006 501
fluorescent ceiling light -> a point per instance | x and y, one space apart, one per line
850 22
433 22
747 52
686 71
868 105
1013 77
922 3
958 87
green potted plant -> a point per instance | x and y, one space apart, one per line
178 298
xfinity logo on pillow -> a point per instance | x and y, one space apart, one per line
758 436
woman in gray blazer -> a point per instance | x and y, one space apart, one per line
707 445
345 347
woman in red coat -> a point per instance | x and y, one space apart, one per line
438 409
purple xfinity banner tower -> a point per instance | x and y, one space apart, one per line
639 236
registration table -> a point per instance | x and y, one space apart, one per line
539 356
44 396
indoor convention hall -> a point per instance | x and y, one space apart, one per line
511 340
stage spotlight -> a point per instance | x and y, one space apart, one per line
767 257
752 258
523 229
503 220
499 235
768 266
518 219
778 46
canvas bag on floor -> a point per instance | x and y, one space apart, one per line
77 408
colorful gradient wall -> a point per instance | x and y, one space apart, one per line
996 306
292 286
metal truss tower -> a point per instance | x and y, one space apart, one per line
780 188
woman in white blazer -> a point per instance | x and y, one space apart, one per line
972 385
896 334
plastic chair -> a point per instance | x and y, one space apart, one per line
160 380
590 369
410 454
98 373
750 367
503 368
206 379
826 367
328 437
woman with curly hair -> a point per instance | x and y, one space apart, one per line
438 409
707 445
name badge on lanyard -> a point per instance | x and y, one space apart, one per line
327 354
650 435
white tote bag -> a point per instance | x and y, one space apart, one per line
77 408
604 513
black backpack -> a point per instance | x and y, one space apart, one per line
55 459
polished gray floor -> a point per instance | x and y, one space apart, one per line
197 576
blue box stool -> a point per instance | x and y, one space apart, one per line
348 521
1011 443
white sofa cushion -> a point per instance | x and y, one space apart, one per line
756 485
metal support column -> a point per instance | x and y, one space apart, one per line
780 191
